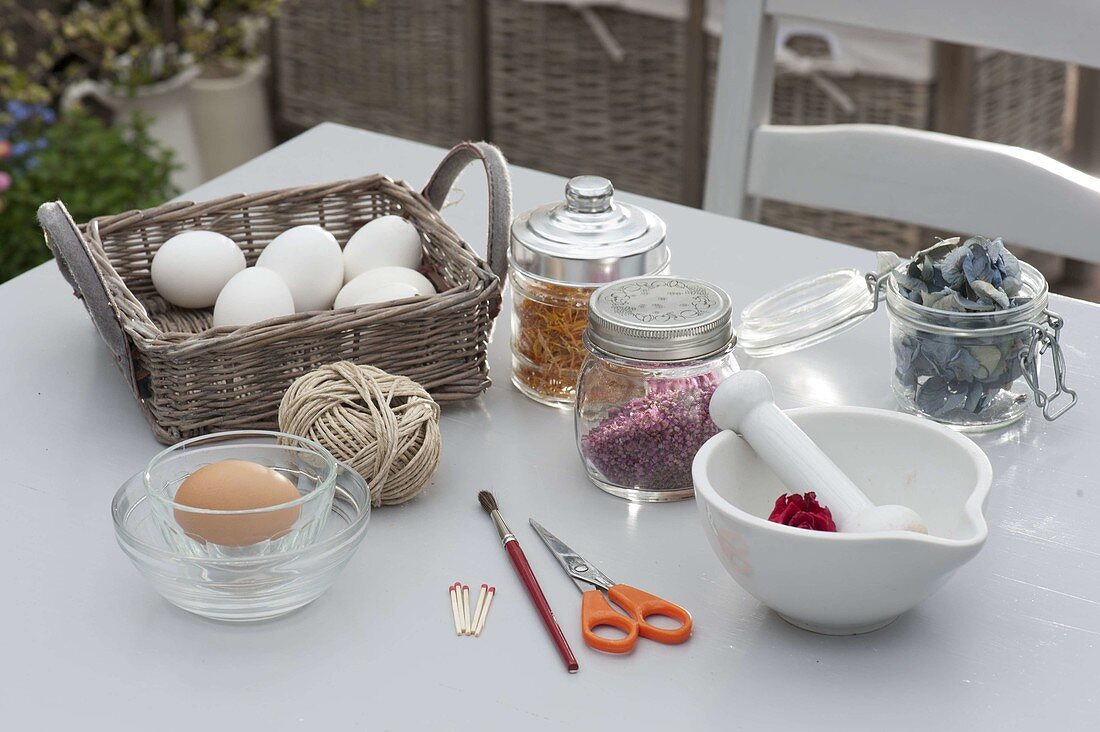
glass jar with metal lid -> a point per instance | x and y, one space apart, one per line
657 349
560 253
974 367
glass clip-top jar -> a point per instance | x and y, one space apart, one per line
560 253
657 349
973 371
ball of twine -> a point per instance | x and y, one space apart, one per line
385 427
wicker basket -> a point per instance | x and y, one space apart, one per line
411 68
559 102
191 379
1025 101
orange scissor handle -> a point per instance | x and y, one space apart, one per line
642 605
596 611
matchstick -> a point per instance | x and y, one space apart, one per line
485 611
454 610
480 603
466 609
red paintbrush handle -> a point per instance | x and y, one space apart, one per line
523 569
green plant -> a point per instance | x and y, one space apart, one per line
95 169
223 34
123 43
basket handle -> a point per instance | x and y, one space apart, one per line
500 194
74 259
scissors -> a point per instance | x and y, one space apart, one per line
596 611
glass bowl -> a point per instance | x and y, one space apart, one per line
246 532
242 588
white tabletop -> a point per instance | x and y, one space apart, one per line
1009 643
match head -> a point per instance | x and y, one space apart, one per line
492 589
484 586
738 395
466 588
487 501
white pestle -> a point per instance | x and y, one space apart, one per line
745 404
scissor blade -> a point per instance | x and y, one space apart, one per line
560 549
576 566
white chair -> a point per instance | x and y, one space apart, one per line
936 180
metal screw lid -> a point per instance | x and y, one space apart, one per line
589 238
660 318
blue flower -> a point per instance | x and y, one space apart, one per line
21 112
947 374
1003 261
951 267
949 359
981 272
983 260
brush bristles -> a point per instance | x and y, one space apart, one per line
487 501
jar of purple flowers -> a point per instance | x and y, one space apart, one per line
657 349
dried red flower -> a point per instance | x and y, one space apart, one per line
803 512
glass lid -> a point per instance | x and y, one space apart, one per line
590 238
806 312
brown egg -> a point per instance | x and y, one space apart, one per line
236 485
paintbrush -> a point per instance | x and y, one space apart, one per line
523 569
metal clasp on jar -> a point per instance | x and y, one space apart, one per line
1045 337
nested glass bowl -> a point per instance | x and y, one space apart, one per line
244 532
242 588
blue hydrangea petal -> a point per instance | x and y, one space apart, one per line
975 397
968 305
975 264
993 294
931 395
955 399
1011 287
937 354
932 299
987 360
951 267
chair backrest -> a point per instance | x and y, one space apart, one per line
920 177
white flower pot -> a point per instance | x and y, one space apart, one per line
167 104
232 118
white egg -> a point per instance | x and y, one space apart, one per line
383 242
191 268
373 278
253 295
386 292
309 261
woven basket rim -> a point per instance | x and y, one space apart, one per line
481 285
